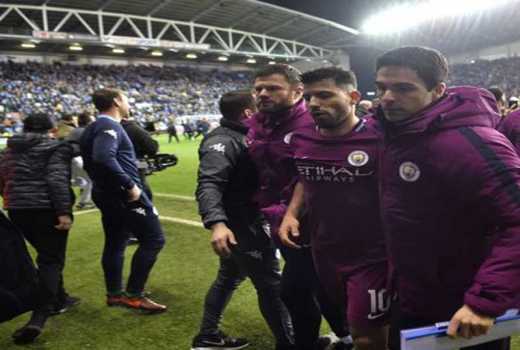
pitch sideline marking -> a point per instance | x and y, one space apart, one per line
176 196
164 218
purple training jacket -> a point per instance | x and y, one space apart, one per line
450 195
268 140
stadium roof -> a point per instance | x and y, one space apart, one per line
243 15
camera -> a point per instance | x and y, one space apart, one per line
159 162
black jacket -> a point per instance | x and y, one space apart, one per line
144 144
227 180
35 173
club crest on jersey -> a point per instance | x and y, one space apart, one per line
409 172
111 133
287 138
218 147
357 158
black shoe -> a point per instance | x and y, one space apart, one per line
342 346
65 305
323 343
28 333
219 341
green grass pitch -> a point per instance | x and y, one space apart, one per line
185 269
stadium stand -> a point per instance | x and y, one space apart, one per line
157 93
502 73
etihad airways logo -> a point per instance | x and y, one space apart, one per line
326 173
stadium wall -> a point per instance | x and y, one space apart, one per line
489 53
50 58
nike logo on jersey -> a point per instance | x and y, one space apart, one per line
375 316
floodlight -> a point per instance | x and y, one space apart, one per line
222 58
118 50
251 61
75 47
401 17
191 56
156 53
28 45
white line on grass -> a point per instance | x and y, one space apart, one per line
164 218
176 196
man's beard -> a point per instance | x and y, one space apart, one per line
326 121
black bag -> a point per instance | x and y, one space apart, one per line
18 275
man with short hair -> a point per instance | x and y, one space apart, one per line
337 162
450 189
110 161
227 181
35 186
282 111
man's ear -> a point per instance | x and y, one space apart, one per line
440 89
355 96
248 113
53 132
298 89
116 101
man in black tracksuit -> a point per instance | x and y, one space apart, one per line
144 146
35 186
227 181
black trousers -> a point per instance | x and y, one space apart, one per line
401 321
261 266
50 244
119 218
305 299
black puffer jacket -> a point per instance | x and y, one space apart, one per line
35 173
227 180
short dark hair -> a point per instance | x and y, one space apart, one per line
430 65
38 123
232 104
340 76
497 92
103 99
84 119
290 73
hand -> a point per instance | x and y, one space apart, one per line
468 323
64 223
221 236
134 193
289 229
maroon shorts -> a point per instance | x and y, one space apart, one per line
367 299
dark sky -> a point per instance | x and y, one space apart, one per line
350 13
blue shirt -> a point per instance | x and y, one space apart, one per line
109 156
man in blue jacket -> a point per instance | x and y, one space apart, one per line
110 161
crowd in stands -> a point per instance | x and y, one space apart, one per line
156 93
502 73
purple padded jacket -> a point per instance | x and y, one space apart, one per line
450 196
268 141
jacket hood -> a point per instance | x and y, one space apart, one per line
23 142
282 117
461 106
